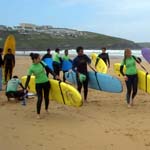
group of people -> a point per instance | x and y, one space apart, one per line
80 66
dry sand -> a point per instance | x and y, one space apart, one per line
104 123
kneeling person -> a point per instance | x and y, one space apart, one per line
12 89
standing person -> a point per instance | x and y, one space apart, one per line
1 64
57 61
42 82
47 55
65 58
104 56
9 64
80 63
130 76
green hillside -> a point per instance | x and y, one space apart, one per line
89 40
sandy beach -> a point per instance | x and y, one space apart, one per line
104 123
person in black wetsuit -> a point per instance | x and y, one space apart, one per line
47 55
104 56
80 63
9 63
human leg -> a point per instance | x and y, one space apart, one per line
39 97
128 85
85 85
46 87
134 86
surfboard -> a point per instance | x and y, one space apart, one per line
146 54
61 92
101 66
143 78
49 62
66 65
10 42
98 81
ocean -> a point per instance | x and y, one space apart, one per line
72 52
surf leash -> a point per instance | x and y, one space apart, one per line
61 92
97 81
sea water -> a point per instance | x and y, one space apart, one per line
72 52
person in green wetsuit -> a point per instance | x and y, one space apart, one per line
12 89
42 82
65 58
130 76
57 62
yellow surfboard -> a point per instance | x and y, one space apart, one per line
9 43
143 78
101 66
60 91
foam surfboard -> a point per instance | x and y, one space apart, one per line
98 81
49 62
146 54
101 66
66 65
143 78
10 42
61 92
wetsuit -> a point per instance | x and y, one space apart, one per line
1 63
131 73
57 62
9 63
80 66
65 58
42 83
44 57
105 58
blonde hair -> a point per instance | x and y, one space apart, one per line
125 54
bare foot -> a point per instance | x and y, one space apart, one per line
38 116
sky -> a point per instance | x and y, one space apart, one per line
128 19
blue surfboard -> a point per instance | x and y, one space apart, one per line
49 62
98 81
66 65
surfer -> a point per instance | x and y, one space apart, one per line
80 63
1 64
57 61
42 82
130 76
65 58
12 89
104 56
9 63
47 55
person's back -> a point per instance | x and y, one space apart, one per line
12 85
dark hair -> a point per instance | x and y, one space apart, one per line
1 50
66 50
57 50
15 77
34 55
79 48
48 49
103 48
